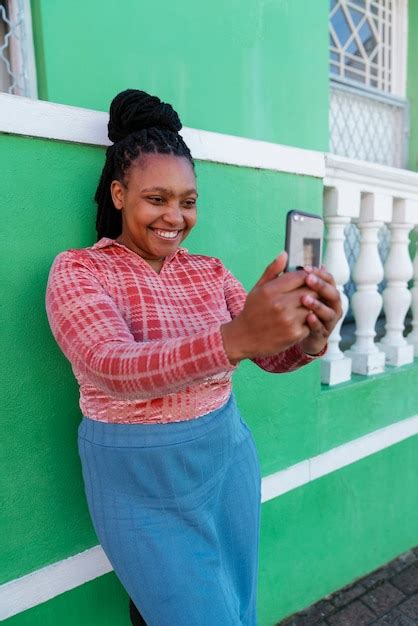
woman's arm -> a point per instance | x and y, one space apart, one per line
95 338
290 359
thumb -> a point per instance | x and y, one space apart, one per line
276 267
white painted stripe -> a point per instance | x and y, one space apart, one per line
44 584
297 475
36 118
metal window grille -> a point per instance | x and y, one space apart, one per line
361 42
17 63
366 127
368 115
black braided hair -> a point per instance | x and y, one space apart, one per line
138 124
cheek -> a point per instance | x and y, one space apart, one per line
191 220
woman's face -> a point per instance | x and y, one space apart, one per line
158 204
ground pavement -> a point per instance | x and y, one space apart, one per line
386 597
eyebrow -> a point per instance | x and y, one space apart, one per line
169 191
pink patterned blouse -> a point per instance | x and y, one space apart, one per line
147 347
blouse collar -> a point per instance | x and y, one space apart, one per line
104 242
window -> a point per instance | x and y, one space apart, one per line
368 112
17 61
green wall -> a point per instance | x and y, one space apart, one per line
53 210
233 68
47 205
412 82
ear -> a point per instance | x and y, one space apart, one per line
117 193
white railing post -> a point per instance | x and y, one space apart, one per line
341 203
413 336
366 302
396 296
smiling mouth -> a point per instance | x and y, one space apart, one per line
167 235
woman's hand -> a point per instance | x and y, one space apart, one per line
273 317
325 309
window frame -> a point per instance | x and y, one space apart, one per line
399 57
22 55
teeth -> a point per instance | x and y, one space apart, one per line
168 234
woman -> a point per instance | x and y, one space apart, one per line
153 333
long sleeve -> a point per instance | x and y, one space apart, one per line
286 361
93 335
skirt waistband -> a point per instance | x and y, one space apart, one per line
144 435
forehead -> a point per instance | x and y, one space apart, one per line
162 170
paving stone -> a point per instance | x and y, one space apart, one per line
395 618
407 580
379 598
376 577
343 597
383 598
410 607
402 561
355 614
310 616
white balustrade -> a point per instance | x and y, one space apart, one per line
371 195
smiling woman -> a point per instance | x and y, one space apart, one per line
156 219
153 333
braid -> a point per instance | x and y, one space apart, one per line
129 111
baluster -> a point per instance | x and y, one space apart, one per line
413 336
335 366
366 302
340 204
396 296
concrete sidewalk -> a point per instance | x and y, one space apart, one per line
386 597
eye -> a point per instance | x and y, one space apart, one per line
190 203
155 198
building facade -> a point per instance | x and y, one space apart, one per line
278 100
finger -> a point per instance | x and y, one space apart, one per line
293 298
322 272
276 267
290 281
315 325
323 312
327 291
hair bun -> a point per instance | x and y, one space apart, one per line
133 110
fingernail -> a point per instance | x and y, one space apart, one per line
307 268
312 279
309 300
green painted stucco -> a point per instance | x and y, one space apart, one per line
340 527
412 82
50 186
47 204
240 71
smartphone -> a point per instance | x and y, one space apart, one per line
304 237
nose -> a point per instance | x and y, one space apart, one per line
174 216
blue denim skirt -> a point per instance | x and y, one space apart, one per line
176 508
